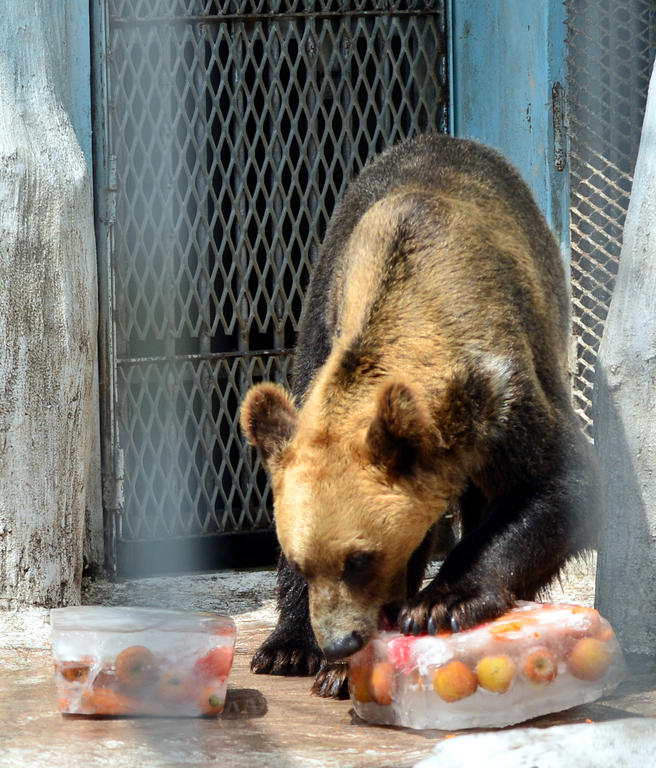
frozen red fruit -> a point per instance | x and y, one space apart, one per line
215 664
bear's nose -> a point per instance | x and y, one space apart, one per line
344 647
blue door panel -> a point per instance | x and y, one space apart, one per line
507 67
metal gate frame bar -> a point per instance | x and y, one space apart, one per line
104 171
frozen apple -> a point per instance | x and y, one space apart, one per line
589 659
540 666
588 620
495 673
454 681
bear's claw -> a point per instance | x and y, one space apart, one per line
438 608
282 654
331 681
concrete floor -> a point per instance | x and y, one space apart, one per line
268 721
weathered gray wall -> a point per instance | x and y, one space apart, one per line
48 313
625 417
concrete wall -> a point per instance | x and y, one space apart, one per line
48 311
625 417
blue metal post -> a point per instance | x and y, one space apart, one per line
78 69
508 70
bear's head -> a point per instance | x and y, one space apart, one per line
356 491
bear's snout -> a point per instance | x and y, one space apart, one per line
344 647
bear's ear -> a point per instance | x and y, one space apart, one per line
269 419
475 404
396 433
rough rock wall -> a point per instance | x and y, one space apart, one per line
48 314
625 417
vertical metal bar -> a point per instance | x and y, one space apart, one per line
201 182
278 253
449 10
385 87
104 203
173 496
313 64
239 185
237 129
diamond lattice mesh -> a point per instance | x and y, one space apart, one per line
235 127
610 52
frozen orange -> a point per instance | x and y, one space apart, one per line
105 701
514 628
210 700
540 666
136 667
382 683
589 659
359 678
175 688
495 673
360 668
454 681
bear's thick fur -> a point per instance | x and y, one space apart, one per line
430 377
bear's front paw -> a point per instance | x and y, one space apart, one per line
441 607
331 681
287 653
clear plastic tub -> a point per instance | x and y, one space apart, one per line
536 659
141 661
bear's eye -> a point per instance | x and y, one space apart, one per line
359 568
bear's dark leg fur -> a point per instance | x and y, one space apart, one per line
523 540
291 649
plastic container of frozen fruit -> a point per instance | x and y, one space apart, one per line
141 661
536 659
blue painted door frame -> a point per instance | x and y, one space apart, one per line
508 71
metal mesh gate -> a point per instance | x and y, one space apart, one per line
611 45
232 129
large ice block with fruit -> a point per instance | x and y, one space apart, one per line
141 661
536 659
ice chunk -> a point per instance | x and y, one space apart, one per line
538 658
140 661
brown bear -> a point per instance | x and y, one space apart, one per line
430 379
